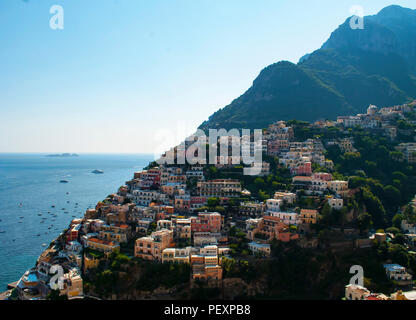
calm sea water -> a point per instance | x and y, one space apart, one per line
33 181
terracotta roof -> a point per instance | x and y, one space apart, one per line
100 241
308 211
302 178
271 218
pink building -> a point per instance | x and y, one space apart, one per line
275 146
150 248
322 176
304 169
206 222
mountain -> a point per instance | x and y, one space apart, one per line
352 69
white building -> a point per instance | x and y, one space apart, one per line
336 203
289 218
273 205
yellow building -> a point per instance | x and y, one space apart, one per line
400 295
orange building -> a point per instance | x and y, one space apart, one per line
308 216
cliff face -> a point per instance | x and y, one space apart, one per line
354 68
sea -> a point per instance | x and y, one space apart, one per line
29 187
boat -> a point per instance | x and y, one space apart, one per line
63 181
20 205
52 206
97 171
44 244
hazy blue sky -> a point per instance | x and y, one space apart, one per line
121 70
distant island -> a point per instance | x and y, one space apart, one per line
63 155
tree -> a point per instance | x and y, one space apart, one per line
397 220
364 221
393 230
392 196
213 202
326 213
399 239
56 295
374 207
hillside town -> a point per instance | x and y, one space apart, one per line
312 193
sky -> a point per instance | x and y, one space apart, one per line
137 76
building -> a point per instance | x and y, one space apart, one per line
308 216
356 292
288 218
274 147
176 255
219 188
164 224
102 245
251 209
142 225
198 202
172 188
206 222
372 110
409 151
183 203
266 228
302 182
72 284
263 168
400 295
322 176
72 233
146 197
397 272
151 248
349 121
260 248
207 264
182 228
206 238
303 169
338 186
336 203
273 205
346 145
287 197
120 233
407 227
